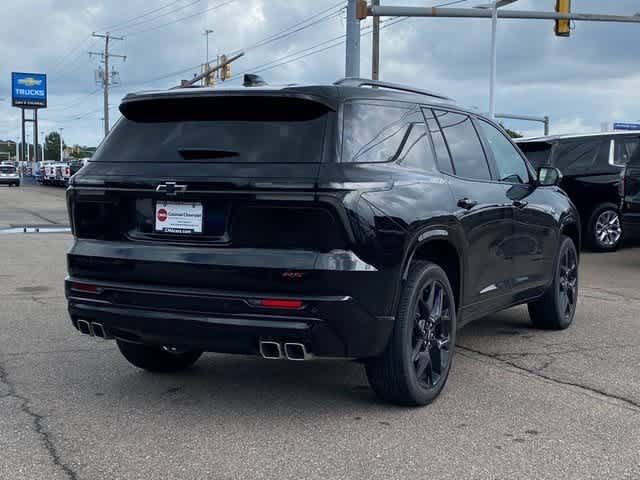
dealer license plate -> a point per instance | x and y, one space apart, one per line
179 217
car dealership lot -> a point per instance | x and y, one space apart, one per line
520 403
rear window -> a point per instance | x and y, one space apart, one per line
7 169
225 130
576 157
537 152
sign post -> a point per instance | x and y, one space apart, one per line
29 92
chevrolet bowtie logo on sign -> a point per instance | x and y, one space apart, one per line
28 90
29 81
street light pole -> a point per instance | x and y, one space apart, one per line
60 138
492 84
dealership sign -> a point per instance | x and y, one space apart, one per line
626 126
29 90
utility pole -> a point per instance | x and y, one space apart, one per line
106 77
205 65
352 57
375 50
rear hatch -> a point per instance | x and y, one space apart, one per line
218 170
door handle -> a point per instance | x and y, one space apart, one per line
466 203
520 203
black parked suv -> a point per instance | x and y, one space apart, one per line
591 165
630 194
313 221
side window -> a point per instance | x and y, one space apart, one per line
576 157
415 151
376 133
625 149
464 144
440 146
510 165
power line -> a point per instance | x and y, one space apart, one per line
142 22
119 25
156 27
269 39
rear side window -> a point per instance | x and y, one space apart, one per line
224 130
464 144
576 157
625 150
439 145
385 133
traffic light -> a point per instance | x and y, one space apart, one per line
225 72
563 27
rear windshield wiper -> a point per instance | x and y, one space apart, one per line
205 154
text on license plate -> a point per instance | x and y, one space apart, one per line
178 217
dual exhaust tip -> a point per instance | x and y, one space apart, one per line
93 329
272 350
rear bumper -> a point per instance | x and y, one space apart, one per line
631 225
9 181
227 322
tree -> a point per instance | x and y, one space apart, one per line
52 146
512 133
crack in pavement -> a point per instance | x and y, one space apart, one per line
629 403
38 426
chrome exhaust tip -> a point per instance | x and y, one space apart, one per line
99 331
84 327
270 350
296 352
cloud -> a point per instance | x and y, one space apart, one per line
579 81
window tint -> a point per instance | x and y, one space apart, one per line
415 151
377 133
625 149
576 157
510 165
464 144
442 152
537 153
226 130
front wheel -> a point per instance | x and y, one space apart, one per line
414 367
157 359
556 308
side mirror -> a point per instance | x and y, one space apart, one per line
549 176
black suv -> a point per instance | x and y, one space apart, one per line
591 165
630 194
313 221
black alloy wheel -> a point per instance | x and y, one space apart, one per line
414 367
568 283
432 335
557 307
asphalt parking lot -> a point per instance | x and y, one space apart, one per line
520 403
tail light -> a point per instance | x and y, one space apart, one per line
96 220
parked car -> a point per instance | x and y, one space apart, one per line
334 221
630 194
591 165
9 175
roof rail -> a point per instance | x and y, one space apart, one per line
364 82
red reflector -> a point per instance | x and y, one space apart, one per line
280 303
84 287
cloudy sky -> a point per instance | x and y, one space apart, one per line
580 82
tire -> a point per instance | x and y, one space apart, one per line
604 231
157 359
423 334
556 308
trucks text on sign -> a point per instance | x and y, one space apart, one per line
28 90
